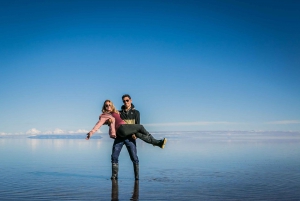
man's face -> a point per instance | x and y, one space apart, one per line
127 102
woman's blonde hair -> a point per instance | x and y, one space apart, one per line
113 108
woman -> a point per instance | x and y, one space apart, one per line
118 126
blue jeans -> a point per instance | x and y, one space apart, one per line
131 148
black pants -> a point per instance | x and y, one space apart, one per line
128 129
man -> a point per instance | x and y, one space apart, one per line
131 116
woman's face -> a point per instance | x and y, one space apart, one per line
107 106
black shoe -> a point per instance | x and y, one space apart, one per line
163 143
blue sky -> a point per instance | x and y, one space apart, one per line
188 65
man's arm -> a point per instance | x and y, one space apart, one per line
136 121
137 117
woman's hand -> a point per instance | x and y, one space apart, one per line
88 135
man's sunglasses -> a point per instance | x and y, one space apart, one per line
126 100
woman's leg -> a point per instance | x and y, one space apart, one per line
126 130
151 140
140 132
129 129
148 138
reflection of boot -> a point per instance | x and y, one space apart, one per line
114 190
136 171
135 195
114 170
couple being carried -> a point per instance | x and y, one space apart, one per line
124 127
118 127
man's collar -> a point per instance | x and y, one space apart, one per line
123 107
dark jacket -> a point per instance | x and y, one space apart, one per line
132 116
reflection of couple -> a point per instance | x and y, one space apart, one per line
124 127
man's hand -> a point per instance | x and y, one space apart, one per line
113 136
133 136
108 122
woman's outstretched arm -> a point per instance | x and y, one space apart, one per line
102 119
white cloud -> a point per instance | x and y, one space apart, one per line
48 132
33 131
20 133
78 131
58 131
197 123
284 122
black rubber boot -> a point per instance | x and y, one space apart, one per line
162 143
114 170
136 171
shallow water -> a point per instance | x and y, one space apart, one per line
193 166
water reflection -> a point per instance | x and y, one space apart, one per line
135 194
191 167
115 190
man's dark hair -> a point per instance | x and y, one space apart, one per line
126 95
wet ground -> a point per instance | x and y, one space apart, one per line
193 166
